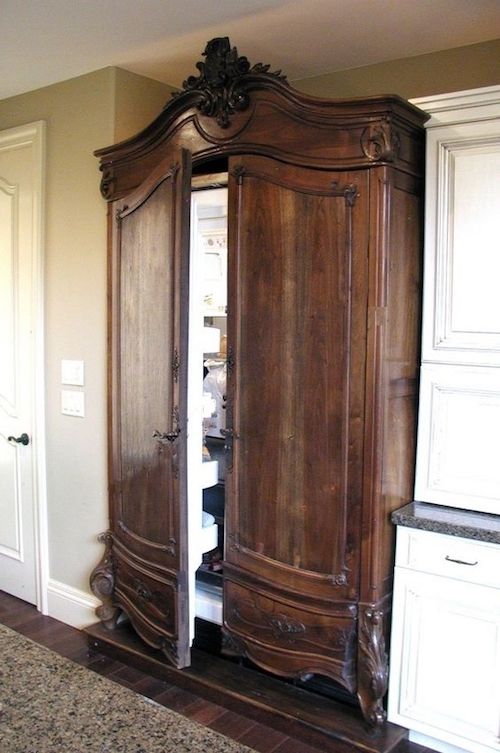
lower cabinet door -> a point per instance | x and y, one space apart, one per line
458 437
445 660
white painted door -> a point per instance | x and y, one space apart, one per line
21 383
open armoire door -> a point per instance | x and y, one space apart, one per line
149 276
324 220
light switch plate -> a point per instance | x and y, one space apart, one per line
72 372
73 403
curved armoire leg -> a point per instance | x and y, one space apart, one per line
373 666
102 583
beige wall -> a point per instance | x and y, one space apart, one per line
138 100
440 72
81 115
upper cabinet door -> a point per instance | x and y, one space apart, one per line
150 277
296 377
462 263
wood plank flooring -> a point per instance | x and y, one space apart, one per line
72 643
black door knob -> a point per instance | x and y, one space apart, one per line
23 439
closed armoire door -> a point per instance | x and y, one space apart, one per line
296 379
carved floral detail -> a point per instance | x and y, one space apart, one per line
108 181
221 82
281 625
170 549
373 668
380 142
176 364
339 579
350 194
238 172
284 626
230 360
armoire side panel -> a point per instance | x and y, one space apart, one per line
393 369
402 358
391 396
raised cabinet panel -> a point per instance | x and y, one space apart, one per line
446 660
298 296
297 305
147 398
459 437
462 315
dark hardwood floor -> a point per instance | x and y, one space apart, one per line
72 643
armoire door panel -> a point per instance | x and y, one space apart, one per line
148 381
297 308
298 249
149 342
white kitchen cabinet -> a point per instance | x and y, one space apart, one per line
445 648
459 426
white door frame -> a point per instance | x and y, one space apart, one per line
34 135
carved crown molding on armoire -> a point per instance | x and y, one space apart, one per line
325 217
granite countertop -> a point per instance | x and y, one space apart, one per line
450 520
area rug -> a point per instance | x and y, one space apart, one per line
49 704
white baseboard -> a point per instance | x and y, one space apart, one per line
70 605
439 745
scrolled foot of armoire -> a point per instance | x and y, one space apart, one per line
102 583
373 668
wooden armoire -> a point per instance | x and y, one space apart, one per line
323 317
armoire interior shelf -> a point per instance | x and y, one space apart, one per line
324 246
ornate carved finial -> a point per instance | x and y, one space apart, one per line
222 80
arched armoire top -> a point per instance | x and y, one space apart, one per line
234 108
